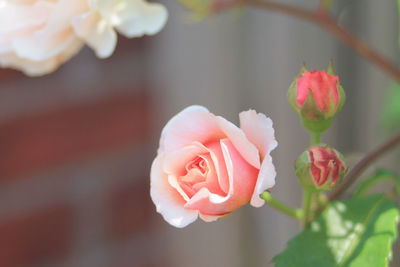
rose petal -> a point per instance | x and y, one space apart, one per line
168 201
265 180
96 32
175 161
36 68
217 157
55 37
258 129
138 17
240 141
14 17
193 124
211 218
242 179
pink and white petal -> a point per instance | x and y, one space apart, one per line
211 218
208 203
173 181
244 175
259 130
265 180
168 201
137 18
217 157
194 123
175 161
96 33
242 179
240 141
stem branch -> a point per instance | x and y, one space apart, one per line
326 22
363 164
278 205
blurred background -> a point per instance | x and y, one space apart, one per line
76 146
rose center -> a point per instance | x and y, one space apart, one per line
196 175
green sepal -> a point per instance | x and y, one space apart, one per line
292 96
342 98
317 126
330 69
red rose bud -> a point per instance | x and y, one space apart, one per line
316 96
320 168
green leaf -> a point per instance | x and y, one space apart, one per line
391 108
378 176
354 233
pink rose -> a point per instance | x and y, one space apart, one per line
317 97
208 167
323 86
36 36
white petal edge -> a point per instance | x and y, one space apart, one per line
96 32
259 130
139 17
192 124
265 180
166 203
238 138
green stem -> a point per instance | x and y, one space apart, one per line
307 199
315 138
278 205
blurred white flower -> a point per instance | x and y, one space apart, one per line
36 36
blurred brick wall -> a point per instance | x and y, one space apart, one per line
74 164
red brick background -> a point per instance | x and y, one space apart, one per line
75 152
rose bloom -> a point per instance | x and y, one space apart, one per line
208 167
36 36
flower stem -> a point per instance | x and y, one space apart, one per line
278 205
315 138
307 199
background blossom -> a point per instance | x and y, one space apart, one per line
36 36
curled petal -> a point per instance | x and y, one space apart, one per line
240 141
55 37
139 17
96 32
175 161
193 124
265 180
258 129
36 68
168 201
242 179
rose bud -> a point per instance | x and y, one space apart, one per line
320 168
316 96
208 167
